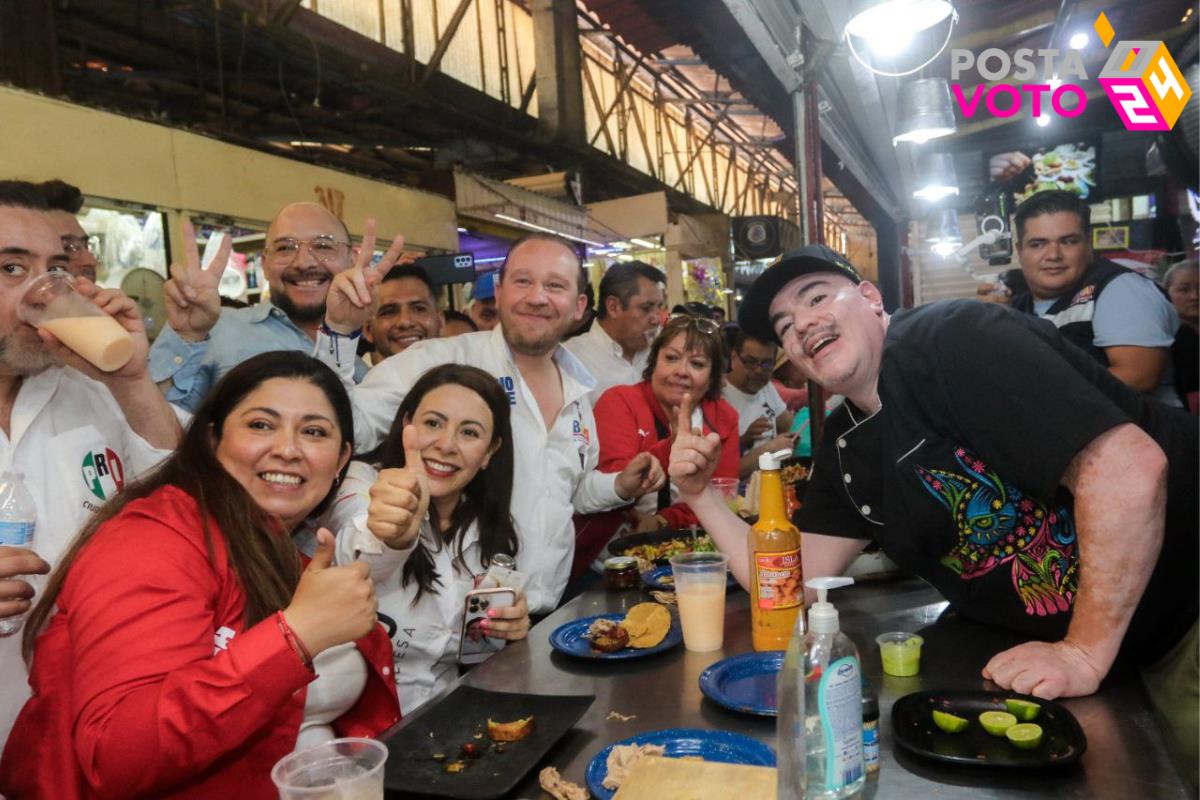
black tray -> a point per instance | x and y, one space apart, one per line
623 544
412 770
1063 741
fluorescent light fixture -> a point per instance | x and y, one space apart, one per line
935 177
927 111
462 230
727 291
544 229
1043 120
1078 41
624 257
644 243
489 260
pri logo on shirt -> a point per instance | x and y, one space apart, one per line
103 473
221 638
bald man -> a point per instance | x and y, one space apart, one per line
306 246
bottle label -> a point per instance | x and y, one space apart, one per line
839 702
779 581
870 738
16 534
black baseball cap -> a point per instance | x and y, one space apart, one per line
754 315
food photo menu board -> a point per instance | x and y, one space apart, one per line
1073 167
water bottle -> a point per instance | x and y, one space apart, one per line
789 724
18 518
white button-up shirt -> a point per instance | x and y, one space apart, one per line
605 360
70 440
554 470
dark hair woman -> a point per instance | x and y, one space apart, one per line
430 518
181 647
687 359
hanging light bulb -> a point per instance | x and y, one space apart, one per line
935 177
927 111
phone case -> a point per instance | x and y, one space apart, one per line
473 645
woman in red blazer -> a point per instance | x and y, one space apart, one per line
687 358
181 647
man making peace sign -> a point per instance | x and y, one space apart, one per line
306 247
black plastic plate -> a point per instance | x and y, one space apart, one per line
412 770
1063 740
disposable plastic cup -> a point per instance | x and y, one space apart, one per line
700 593
728 489
341 769
900 652
51 302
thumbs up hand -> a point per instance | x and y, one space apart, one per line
332 605
400 498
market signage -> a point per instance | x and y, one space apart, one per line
1141 79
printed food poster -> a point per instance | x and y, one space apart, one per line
1070 167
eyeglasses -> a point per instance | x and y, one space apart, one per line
324 249
762 365
702 324
76 244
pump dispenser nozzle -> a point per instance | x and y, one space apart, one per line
822 616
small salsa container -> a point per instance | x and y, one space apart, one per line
621 572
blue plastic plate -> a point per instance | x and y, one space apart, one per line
660 579
570 638
723 746
744 682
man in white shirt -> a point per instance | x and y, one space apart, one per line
763 419
76 434
615 348
539 297
404 312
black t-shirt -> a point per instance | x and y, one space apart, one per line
957 476
1185 356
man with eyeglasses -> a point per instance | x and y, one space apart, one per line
65 201
763 418
539 296
306 246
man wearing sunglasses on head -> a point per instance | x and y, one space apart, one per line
306 246
763 418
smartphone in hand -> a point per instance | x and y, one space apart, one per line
474 645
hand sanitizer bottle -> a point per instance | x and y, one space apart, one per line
832 701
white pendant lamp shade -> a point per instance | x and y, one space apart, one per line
935 177
926 111
899 37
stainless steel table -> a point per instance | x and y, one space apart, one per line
1126 757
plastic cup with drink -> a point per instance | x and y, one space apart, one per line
728 489
900 653
341 769
51 302
700 592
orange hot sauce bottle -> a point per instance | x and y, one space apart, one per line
776 577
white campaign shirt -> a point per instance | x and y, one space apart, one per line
70 440
766 402
425 635
605 360
554 471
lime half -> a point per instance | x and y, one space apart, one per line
1023 710
950 723
1025 736
997 722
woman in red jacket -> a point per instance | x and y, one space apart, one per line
181 648
687 358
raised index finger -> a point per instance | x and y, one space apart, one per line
683 421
